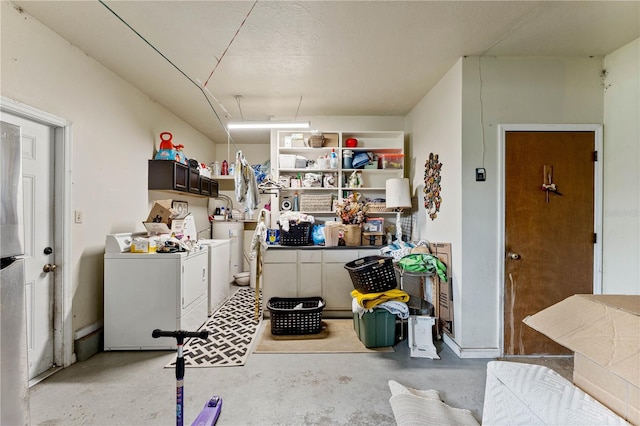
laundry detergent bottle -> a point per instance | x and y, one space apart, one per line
333 159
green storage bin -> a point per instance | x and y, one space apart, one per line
376 329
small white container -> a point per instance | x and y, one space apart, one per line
287 161
323 163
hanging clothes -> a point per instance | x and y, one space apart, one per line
246 183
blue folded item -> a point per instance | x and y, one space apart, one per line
360 160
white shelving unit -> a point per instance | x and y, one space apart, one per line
373 177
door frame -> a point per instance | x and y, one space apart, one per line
62 222
597 197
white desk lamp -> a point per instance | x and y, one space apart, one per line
398 197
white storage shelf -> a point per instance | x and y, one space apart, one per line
379 142
296 171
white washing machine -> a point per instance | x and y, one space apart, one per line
233 231
145 291
219 266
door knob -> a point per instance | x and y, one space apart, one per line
49 267
513 256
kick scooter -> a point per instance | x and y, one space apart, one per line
211 411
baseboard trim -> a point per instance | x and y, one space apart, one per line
85 331
472 352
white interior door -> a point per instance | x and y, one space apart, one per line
38 184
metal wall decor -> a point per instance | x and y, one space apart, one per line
432 190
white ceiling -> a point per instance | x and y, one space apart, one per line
306 58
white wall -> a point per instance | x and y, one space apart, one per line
255 154
621 221
514 90
115 131
434 126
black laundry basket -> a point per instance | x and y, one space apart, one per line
372 274
299 234
296 315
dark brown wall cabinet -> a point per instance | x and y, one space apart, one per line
166 175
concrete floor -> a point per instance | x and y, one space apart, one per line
134 388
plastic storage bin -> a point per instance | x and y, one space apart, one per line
291 316
376 329
391 161
287 161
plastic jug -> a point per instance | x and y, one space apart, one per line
347 159
333 159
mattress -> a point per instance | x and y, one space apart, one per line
526 394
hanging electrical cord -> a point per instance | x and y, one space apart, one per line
238 99
481 110
511 30
230 43
200 88
298 110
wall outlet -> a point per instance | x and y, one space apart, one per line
481 174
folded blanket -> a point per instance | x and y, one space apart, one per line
371 300
425 407
399 309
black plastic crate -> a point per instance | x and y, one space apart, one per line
299 234
372 274
301 315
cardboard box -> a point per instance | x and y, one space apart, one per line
161 212
445 295
604 333
161 217
372 238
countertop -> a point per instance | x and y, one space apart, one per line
314 247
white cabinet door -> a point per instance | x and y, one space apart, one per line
219 267
337 285
309 273
280 280
279 274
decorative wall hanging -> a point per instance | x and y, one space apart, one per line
432 198
547 182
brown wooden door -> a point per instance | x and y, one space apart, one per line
549 242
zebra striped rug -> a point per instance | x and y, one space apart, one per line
232 330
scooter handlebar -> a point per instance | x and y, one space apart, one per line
180 335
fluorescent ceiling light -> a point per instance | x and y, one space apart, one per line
269 125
